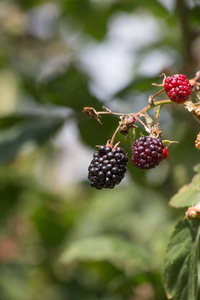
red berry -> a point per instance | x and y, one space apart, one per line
177 88
148 152
165 153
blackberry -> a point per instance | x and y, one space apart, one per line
148 152
177 88
107 167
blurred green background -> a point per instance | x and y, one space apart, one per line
59 238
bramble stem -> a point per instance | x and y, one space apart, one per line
145 109
156 94
138 119
156 103
111 113
113 137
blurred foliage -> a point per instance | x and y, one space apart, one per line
70 242
180 268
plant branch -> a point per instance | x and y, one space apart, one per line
113 137
156 103
182 12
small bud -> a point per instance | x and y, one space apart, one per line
193 212
151 100
125 124
196 113
131 120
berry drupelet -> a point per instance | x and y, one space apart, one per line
148 152
197 142
107 167
177 88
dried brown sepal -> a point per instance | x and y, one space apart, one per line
157 113
148 120
109 144
196 113
151 100
167 143
194 83
160 85
125 124
189 105
91 113
155 131
195 110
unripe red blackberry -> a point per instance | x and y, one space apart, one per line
177 88
148 152
107 167
197 142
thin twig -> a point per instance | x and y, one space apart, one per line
113 137
156 94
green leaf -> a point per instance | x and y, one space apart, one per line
92 19
167 143
37 130
116 250
188 195
180 265
68 87
11 120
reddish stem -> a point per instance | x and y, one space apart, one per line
156 94
113 137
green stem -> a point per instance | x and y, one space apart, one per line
145 109
156 103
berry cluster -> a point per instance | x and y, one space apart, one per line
107 167
197 142
148 152
177 88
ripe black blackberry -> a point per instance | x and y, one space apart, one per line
107 167
148 152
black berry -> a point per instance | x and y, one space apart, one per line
107 167
147 152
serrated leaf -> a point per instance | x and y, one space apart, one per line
188 195
116 250
180 265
